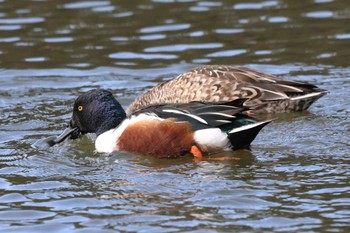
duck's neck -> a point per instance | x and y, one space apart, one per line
111 120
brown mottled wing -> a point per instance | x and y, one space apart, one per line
194 85
222 83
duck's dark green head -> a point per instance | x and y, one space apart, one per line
95 111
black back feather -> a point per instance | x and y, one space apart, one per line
202 115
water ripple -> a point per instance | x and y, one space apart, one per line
22 216
132 55
21 21
229 30
182 47
165 28
282 223
255 6
294 180
227 53
86 4
35 59
13 197
345 36
319 14
10 27
153 37
9 39
278 19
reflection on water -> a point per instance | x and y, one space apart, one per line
86 34
295 179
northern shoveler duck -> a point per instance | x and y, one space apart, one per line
163 131
213 83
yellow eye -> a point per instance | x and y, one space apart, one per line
80 108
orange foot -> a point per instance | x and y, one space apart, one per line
250 112
197 153
198 156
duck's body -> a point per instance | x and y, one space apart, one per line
147 134
163 131
215 83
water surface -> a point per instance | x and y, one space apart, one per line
296 179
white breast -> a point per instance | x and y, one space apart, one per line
107 142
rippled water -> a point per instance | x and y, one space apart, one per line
295 180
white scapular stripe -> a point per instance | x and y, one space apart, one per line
246 127
217 114
186 114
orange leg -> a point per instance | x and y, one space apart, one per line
197 153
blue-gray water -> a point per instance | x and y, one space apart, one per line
295 180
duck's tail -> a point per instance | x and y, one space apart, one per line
241 137
303 102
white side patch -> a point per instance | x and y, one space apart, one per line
107 142
212 137
246 127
